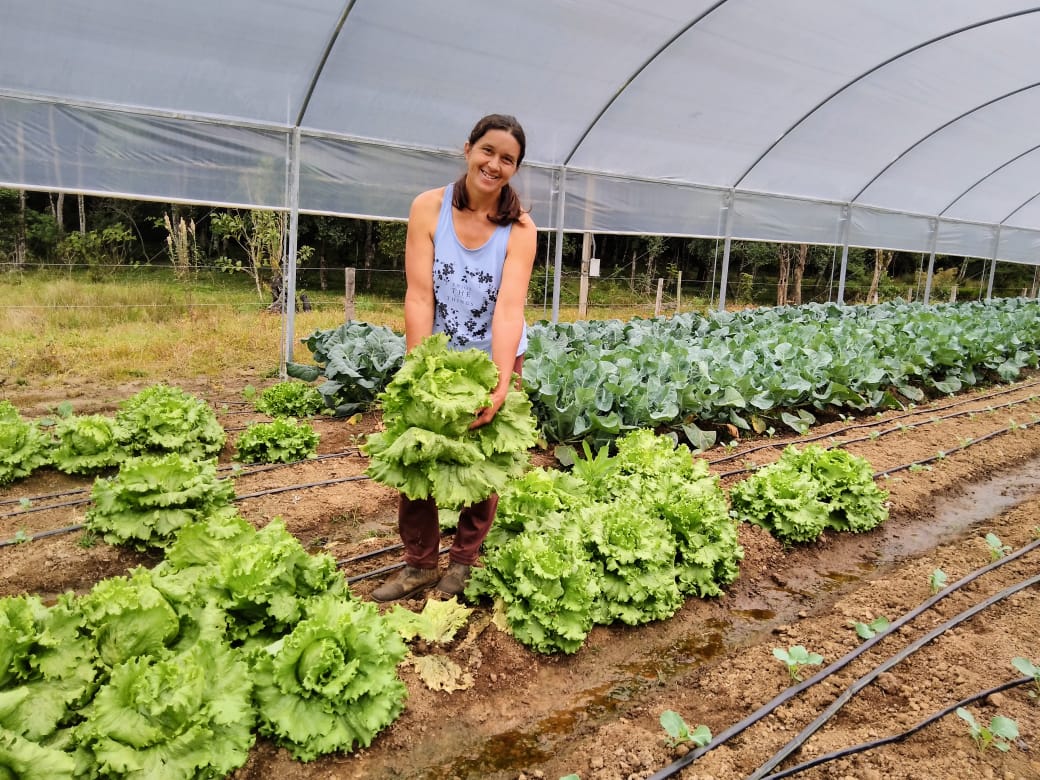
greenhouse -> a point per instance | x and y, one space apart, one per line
733 541
889 125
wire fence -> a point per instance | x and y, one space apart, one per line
323 288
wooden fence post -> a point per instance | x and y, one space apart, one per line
583 284
660 295
349 312
678 293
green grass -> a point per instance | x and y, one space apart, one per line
145 324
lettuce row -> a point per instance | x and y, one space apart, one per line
806 492
428 448
623 538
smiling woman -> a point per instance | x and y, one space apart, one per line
468 258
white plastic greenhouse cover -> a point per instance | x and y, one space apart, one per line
902 124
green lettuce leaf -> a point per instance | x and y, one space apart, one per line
173 714
331 684
428 448
23 759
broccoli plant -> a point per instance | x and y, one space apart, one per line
795 658
678 732
999 733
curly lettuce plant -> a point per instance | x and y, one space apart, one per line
290 399
162 419
330 684
128 616
428 448
283 440
545 584
262 579
678 489
805 492
153 496
23 446
86 444
46 665
182 712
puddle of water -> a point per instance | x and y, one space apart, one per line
760 615
514 750
956 515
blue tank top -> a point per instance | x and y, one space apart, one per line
466 283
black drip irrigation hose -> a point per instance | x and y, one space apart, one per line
940 456
286 488
786 695
870 676
236 472
30 510
42 497
914 413
384 570
283 489
865 746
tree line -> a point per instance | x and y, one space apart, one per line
100 235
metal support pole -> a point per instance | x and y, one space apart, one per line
558 270
727 207
846 217
931 263
289 288
993 265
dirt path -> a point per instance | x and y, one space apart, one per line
596 713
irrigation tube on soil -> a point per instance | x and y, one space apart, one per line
841 663
238 473
859 426
865 746
870 676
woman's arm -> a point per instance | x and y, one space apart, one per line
418 266
508 323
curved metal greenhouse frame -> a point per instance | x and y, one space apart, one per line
875 123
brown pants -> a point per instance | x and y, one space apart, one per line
419 525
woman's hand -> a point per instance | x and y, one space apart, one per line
487 414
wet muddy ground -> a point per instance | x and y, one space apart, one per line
596 713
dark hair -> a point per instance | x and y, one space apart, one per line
509 208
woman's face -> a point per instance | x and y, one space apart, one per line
492 161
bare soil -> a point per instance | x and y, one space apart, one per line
596 713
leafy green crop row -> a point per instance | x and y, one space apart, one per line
624 538
594 380
171 672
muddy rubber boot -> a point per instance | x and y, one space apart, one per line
454 581
407 582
